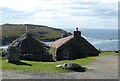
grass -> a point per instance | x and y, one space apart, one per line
11 32
108 53
1 51
37 31
44 66
0 59
47 66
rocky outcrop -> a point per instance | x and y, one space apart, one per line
72 66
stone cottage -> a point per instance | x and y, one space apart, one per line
72 47
30 48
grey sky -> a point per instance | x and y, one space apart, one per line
61 13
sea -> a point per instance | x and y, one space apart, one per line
102 39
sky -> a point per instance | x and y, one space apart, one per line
61 13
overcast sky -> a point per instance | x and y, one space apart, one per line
61 13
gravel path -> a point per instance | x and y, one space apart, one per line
106 67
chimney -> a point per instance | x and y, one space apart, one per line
65 34
77 33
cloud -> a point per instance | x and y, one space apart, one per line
1 13
21 5
106 8
61 13
29 5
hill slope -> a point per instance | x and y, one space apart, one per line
12 31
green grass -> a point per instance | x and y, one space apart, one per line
44 66
1 51
11 32
48 66
0 59
108 53
44 33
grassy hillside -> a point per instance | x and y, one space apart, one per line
44 33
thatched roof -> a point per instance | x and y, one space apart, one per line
63 41
28 44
